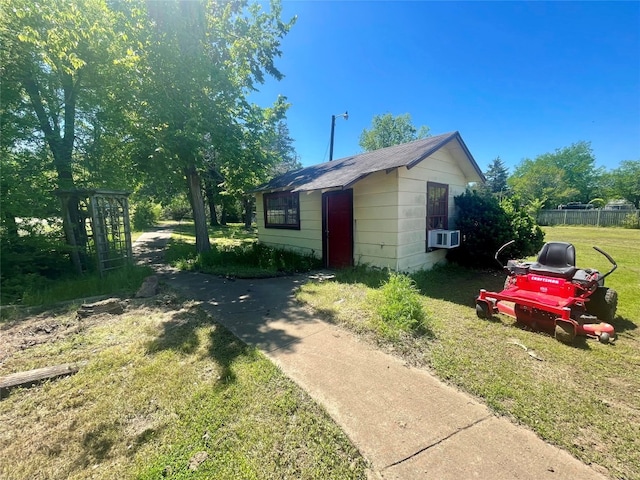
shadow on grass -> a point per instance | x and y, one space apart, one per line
97 444
225 348
622 324
448 282
180 335
456 284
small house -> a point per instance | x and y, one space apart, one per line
390 208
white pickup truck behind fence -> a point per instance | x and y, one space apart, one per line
598 218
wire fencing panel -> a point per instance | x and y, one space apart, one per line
598 218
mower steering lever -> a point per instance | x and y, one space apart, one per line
500 251
611 260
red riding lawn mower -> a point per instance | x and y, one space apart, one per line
553 295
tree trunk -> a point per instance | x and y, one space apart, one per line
61 145
197 204
210 193
223 216
68 205
10 224
248 211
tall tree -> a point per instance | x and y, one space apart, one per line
541 181
624 182
62 64
568 174
497 174
578 162
204 57
387 130
285 153
65 59
259 153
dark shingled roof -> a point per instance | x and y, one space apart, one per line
346 171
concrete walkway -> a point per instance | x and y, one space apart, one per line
405 422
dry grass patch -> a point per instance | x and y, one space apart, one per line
166 392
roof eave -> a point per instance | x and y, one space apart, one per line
455 135
433 149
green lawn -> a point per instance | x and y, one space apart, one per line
165 392
585 398
233 234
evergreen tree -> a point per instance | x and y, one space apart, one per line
496 176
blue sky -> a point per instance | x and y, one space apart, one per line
517 79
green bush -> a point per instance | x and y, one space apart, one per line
30 262
632 220
177 210
145 215
398 306
528 235
485 225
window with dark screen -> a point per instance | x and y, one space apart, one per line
437 206
282 210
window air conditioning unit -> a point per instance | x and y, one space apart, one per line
444 238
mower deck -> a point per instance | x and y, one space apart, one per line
550 303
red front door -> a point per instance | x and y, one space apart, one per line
337 228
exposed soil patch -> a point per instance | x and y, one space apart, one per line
37 330
56 324
46 327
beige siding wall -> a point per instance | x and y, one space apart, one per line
375 217
412 184
306 240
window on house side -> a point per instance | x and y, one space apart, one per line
437 207
282 210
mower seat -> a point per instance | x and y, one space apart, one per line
556 259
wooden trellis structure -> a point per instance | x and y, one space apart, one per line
96 225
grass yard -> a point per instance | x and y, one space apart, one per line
164 392
233 234
117 282
585 399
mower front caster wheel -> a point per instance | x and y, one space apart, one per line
604 338
482 310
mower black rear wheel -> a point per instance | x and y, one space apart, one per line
603 303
